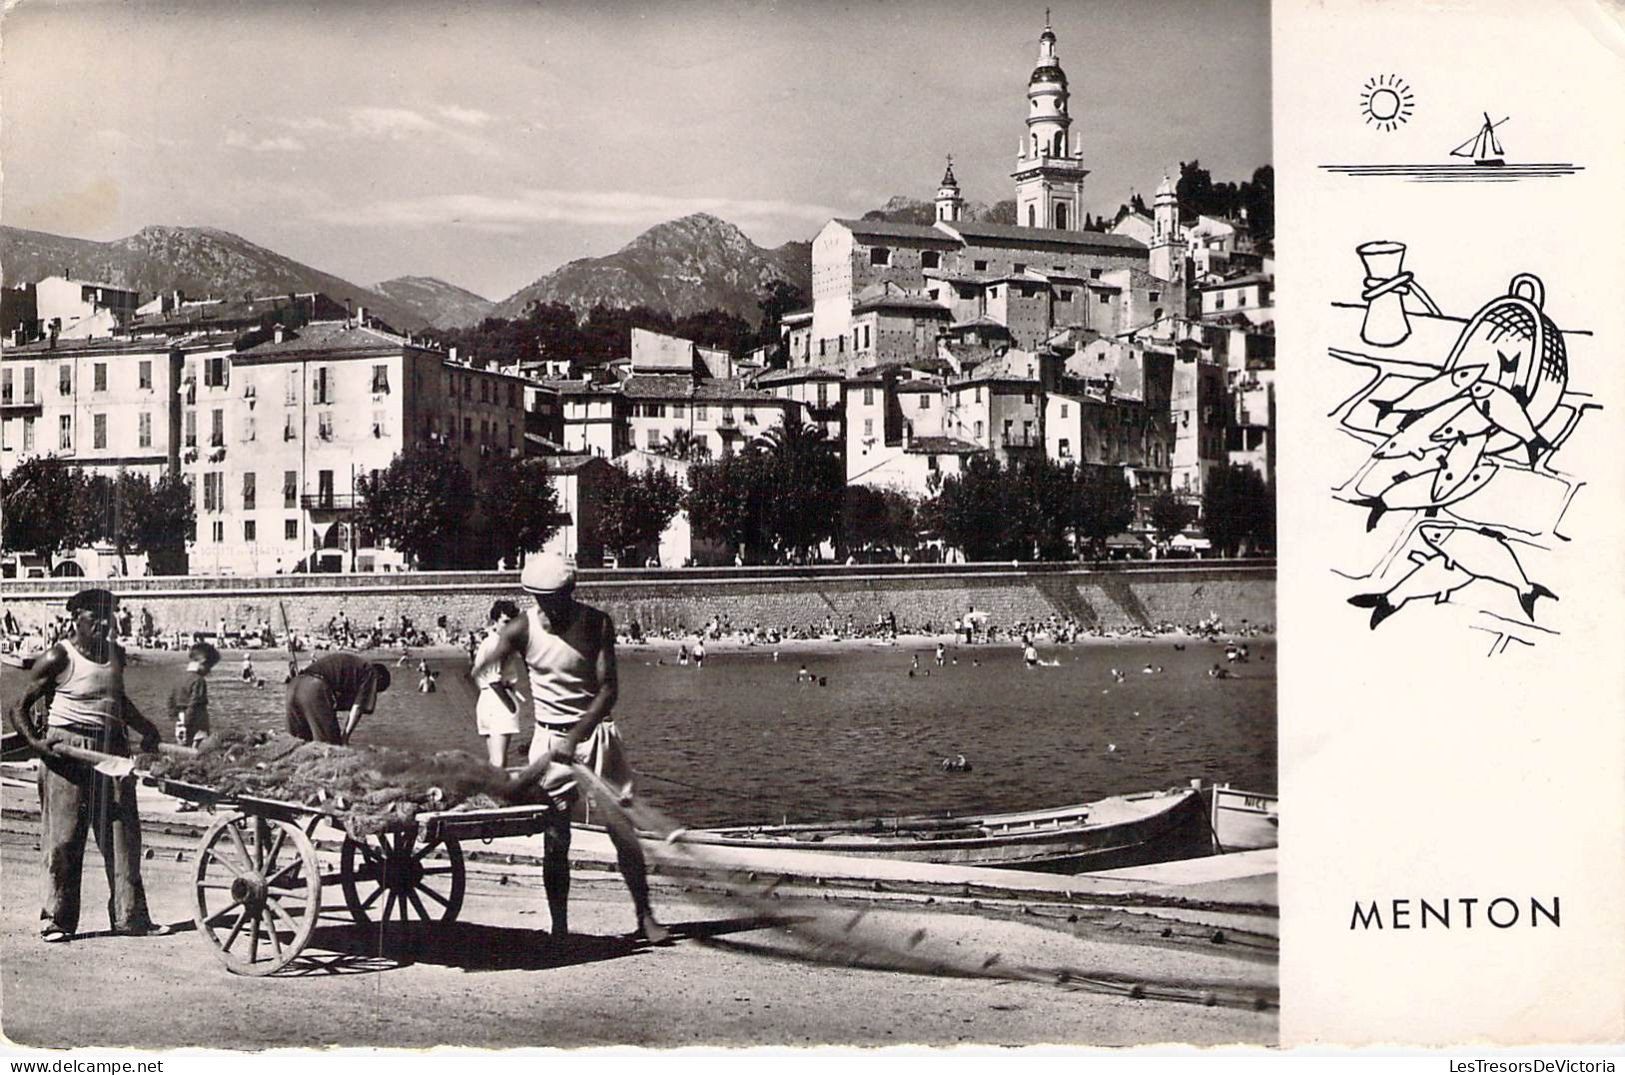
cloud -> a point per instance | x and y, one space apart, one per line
471 117
400 125
390 122
280 144
525 211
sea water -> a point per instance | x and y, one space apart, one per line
740 740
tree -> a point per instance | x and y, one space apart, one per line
39 504
134 514
682 444
1237 507
878 519
418 504
1046 489
636 508
780 298
1102 505
1258 198
1169 515
979 512
523 509
727 501
808 479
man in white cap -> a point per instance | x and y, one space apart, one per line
569 649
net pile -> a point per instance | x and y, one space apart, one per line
369 789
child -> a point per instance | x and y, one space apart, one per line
248 668
189 699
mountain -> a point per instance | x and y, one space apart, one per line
682 266
441 304
202 262
902 209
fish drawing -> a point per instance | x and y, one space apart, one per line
1432 392
1432 578
1459 461
1415 492
1468 422
1485 554
1421 437
1505 411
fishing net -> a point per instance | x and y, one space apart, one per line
821 931
368 789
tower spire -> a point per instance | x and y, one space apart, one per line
1049 170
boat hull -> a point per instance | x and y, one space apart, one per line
1244 820
1131 830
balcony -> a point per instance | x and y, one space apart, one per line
328 501
1012 439
21 408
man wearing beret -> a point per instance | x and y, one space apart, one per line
83 675
569 648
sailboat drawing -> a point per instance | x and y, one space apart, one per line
1484 147
1485 161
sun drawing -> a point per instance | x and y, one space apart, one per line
1386 101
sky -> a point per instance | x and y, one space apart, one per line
489 143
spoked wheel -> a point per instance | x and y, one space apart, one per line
387 878
259 892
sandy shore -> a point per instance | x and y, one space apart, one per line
494 979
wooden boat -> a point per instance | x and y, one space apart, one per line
1244 820
1124 830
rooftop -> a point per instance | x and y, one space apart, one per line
942 446
799 374
974 230
886 229
330 336
901 302
677 386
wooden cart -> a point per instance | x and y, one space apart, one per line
259 883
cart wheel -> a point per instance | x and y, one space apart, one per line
386 879
259 892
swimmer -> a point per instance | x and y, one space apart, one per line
682 654
942 658
916 663
802 675
699 652
1030 655
248 668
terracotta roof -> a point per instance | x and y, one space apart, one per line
1013 365
330 336
800 373
1083 240
942 446
677 386
886 229
568 464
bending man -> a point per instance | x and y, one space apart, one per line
569 649
339 682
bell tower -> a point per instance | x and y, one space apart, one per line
1049 168
1167 242
949 203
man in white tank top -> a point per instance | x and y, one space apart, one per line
83 675
569 650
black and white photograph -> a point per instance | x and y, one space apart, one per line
710 524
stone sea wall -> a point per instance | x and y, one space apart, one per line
1111 596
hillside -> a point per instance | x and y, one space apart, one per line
682 266
441 304
902 209
202 262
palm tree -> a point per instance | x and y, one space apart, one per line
682 444
808 480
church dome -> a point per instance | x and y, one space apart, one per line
1049 72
